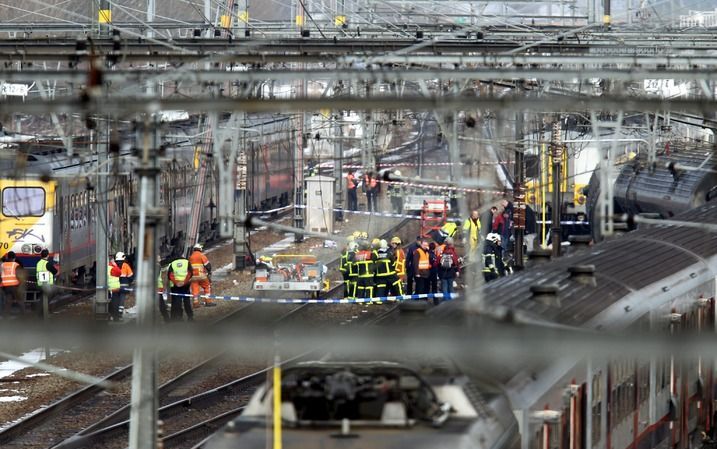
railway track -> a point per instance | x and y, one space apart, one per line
57 422
188 422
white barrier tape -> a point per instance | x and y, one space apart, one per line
271 211
429 164
377 299
374 300
568 222
442 187
361 212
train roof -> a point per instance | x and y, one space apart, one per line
623 265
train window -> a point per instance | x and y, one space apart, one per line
23 201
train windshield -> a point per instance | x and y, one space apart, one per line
23 201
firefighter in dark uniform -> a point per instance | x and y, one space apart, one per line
344 267
493 267
385 272
365 264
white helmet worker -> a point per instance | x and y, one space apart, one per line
198 246
120 256
383 244
493 237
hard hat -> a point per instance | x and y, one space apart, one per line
364 235
353 246
356 234
493 237
198 246
351 238
119 256
265 258
375 242
383 244
397 173
396 240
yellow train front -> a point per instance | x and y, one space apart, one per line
27 224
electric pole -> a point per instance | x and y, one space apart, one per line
519 213
101 303
557 155
143 412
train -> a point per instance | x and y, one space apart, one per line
683 176
51 201
374 404
657 278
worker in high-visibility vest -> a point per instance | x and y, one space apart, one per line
45 270
471 232
398 256
352 267
351 188
385 272
344 266
180 275
12 290
422 267
364 262
201 271
126 278
161 276
493 266
113 289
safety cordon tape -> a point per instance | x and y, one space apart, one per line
374 300
446 187
428 164
375 214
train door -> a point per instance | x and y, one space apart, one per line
548 430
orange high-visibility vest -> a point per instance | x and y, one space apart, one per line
423 262
197 260
400 264
9 274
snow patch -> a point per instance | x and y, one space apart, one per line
9 367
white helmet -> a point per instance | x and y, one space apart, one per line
493 237
383 244
397 172
120 256
198 246
353 246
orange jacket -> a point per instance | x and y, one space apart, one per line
198 261
9 274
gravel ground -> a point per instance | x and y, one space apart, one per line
43 390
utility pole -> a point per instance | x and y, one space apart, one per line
101 303
143 412
207 15
299 171
150 16
240 243
338 167
557 155
519 213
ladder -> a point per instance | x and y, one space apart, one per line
434 215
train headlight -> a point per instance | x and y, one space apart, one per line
27 249
37 249
581 199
